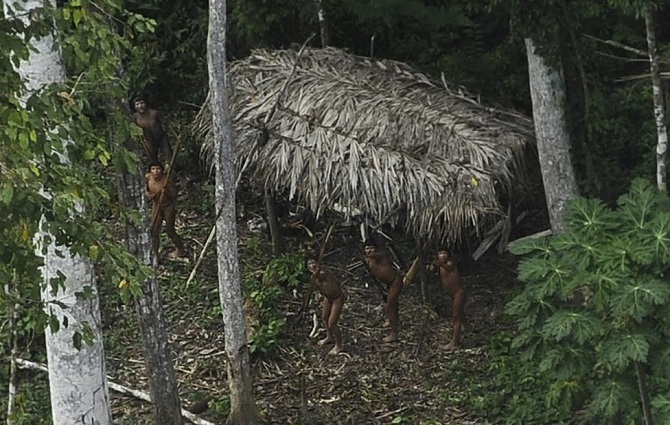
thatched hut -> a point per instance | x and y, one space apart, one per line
330 129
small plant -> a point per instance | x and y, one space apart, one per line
267 320
221 406
594 316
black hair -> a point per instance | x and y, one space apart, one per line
156 164
369 242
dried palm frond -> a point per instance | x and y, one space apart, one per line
375 136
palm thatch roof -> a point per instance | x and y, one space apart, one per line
332 129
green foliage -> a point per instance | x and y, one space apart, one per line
175 62
221 406
54 158
514 394
267 295
595 303
33 405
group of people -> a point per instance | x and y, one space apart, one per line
391 281
160 188
162 192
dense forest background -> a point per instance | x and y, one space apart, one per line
478 45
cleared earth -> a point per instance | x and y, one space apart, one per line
413 381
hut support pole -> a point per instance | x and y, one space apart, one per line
423 276
273 223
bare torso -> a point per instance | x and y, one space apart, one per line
329 287
149 121
156 185
382 268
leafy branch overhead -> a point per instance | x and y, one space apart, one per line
374 136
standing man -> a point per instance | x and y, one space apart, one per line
383 270
155 138
162 192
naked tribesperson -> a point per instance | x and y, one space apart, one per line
162 192
155 138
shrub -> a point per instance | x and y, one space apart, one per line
594 315
267 321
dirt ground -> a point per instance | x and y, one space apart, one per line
414 381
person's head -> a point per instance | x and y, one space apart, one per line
443 254
312 266
139 104
156 169
369 246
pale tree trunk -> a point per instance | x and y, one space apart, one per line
149 306
77 377
323 23
547 90
242 404
659 106
12 313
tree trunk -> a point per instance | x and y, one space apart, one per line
12 314
323 23
242 404
659 106
547 89
149 306
77 376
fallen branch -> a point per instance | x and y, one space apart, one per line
204 249
202 254
537 235
387 414
27 364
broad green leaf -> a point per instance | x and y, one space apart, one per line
580 326
551 359
77 16
638 299
533 270
616 255
621 349
523 247
660 362
77 340
608 396
6 193
23 140
587 216
638 204
660 229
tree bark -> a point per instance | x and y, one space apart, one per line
323 23
547 89
77 377
149 306
149 309
12 314
659 106
242 404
